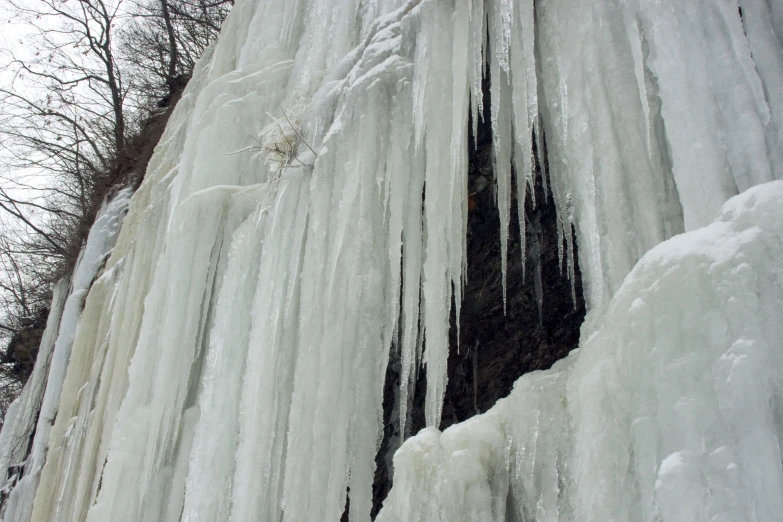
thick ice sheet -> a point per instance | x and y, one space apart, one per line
20 420
669 411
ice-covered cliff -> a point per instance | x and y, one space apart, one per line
304 216
670 409
31 416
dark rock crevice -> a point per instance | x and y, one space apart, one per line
22 349
496 348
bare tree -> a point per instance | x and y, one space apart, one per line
76 107
62 114
74 62
62 123
165 38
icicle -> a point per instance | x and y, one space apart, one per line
632 27
437 285
477 41
762 27
405 227
501 125
525 106
526 20
502 38
461 54
541 158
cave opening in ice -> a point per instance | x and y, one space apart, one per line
541 322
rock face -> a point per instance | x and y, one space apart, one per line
495 346
22 349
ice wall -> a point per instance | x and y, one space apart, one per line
670 410
20 421
305 213
36 409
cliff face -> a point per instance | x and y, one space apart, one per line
22 349
123 176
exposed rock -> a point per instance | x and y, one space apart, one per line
22 349
495 348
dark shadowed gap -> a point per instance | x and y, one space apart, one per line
495 349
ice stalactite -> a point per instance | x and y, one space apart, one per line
229 365
20 421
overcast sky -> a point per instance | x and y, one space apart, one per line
10 33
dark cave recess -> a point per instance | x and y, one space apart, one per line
496 348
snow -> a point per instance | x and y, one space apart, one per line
229 362
670 464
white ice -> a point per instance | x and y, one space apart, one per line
229 363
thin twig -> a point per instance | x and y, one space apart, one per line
297 132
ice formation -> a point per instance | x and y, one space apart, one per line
669 410
34 412
229 362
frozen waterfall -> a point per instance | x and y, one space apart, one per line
304 216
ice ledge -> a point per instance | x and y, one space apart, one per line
671 409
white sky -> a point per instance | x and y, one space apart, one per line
11 31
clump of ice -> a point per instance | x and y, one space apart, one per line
670 409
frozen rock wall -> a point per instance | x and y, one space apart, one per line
305 214
29 423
